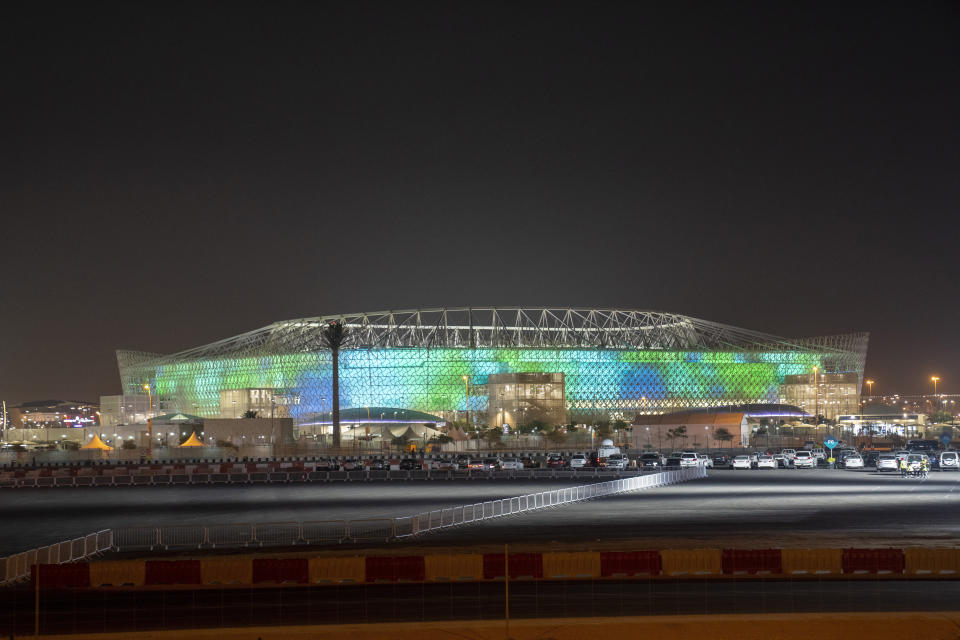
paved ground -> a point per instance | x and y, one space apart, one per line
766 508
37 517
755 508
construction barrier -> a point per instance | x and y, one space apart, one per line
169 572
920 562
877 561
226 571
626 564
118 574
466 567
801 562
61 576
281 570
571 565
752 561
337 570
522 566
695 562
396 568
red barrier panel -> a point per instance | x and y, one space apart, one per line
752 561
873 561
397 568
172 572
629 563
62 576
522 565
281 570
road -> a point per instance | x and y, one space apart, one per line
105 610
764 508
759 508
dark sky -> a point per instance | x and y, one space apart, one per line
172 174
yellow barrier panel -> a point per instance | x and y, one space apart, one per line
812 561
227 571
352 569
571 565
117 573
454 567
932 561
692 562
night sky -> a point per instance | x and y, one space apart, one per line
172 174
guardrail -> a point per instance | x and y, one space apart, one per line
324 532
167 478
17 567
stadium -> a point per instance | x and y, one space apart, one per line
499 366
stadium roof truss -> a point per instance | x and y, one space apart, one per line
512 327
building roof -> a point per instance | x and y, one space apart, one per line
506 327
370 415
691 418
759 410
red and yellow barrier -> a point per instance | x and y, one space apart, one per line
571 565
811 562
937 562
460 567
338 570
120 573
691 562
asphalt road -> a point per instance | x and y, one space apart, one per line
37 517
788 507
765 508
105 610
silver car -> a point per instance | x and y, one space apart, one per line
949 461
887 462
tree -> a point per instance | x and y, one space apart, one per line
603 429
556 436
677 433
492 435
941 416
722 435
249 413
333 336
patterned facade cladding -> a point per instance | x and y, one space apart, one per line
420 365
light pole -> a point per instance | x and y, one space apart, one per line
466 386
870 387
816 396
146 388
935 380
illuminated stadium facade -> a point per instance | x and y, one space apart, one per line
597 364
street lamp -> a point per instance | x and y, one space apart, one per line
935 380
870 387
466 386
146 388
816 396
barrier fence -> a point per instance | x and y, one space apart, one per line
166 477
285 534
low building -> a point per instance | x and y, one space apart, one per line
53 414
882 419
691 430
241 432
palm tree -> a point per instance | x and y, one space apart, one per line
334 335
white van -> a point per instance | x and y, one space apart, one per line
607 449
949 461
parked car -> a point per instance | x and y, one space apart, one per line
766 462
853 461
804 459
529 463
492 464
616 461
721 460
673 461
819 453
409 464
689 459
555 461
742 462
788 455
328 465
511 464
475 464
650 461
949 461
379 465
887 462
781 460
578 461
705 460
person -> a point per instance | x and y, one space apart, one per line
923 467
903 467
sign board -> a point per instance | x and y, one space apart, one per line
506 429
945 438
830 442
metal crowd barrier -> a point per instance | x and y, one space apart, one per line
282 534
17 567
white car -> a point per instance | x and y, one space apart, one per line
578 461
852 461
788 455
766 462
688 459
888 462
616 461
804 459
705 460
949 461
819 453
742 462
511 464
